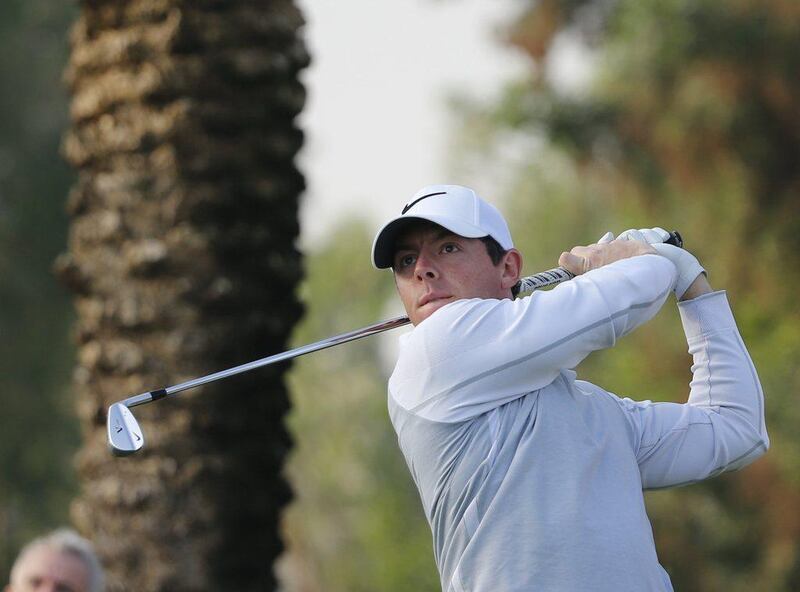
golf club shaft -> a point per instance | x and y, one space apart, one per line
526 284
274 359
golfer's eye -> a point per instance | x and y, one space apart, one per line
449 248
405 260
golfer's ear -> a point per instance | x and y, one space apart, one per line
512 267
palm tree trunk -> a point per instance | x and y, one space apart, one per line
182 261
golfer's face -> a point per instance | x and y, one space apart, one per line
433 267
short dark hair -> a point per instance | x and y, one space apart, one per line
496 253
493 248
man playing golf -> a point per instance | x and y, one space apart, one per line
531 479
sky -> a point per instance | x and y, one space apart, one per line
376 119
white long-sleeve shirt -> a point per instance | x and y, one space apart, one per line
531 479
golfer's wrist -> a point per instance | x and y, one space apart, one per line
697 288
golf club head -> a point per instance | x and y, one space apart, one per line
124 434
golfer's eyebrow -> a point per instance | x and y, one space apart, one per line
443 233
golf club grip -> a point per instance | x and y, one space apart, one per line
557 275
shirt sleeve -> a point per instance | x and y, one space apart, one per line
474 355
721 427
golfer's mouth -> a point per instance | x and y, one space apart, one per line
436 299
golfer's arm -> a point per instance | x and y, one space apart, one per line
473 356
623 295
722 426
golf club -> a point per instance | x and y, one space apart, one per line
125 436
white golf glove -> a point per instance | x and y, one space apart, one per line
651 236
688 265
606 238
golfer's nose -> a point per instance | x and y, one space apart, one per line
425 269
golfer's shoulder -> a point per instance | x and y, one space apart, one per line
609 407
453 329
470 318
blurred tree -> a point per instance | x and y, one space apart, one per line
356 524
38 432
689 118
182 261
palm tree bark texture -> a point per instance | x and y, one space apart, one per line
182 261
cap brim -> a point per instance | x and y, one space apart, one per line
383 247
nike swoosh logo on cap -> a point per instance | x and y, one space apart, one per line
419 199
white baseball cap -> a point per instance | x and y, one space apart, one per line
458 209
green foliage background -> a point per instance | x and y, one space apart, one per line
691 121
38 432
